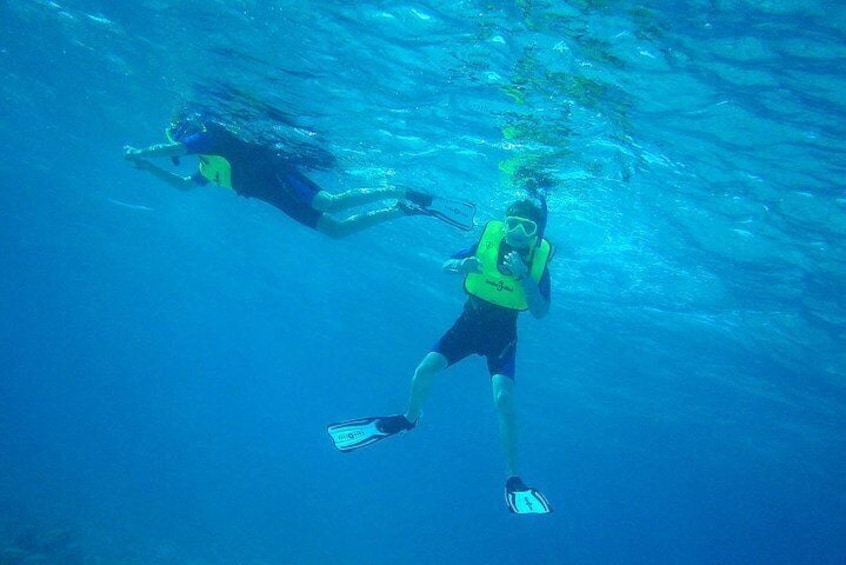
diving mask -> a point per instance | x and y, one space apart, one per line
515 224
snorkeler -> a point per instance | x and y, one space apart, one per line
261 172
505 272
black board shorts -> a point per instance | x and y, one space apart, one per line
476 335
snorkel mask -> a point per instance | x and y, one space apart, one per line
523 224
520 232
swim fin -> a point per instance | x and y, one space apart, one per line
354 434
454 211
525 500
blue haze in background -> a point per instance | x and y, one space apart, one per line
169 360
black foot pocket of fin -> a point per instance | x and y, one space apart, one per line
355 434
521 499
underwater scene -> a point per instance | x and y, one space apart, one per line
585 259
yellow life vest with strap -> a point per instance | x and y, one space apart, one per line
214 168
491 285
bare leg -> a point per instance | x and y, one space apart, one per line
327 202
431 365
503 392
337 229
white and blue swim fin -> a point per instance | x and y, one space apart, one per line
354 434
521 499
454 211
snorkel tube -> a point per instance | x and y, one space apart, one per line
174 159
544 215
537 185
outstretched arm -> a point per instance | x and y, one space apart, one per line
177 181
138 159
175 149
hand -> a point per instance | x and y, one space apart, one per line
470 265
130 153
514 263
463 266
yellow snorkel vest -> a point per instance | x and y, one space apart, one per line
492 286
216 169
213 167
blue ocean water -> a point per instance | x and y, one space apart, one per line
170 359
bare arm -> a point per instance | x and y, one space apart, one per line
161 150
138 159
177 181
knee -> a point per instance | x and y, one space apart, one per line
428 368
423 373
330 227
504 400
323 201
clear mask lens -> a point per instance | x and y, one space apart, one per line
515 225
